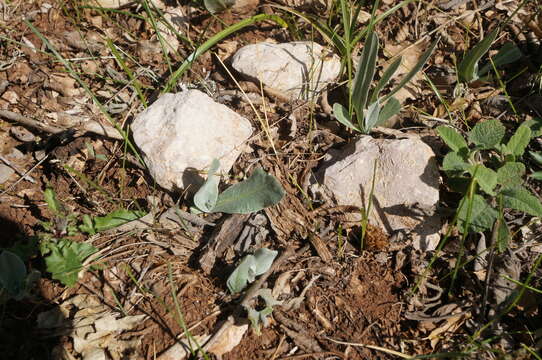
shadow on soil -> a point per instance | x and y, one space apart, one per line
20 339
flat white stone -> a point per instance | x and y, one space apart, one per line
406 184
298 69
180 134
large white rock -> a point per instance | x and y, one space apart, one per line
180 134
406 184
298 69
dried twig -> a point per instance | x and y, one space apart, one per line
88 126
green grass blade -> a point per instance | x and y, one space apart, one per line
73 73
128 71
213 41
425 56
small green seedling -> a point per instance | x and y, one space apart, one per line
250 267
259 191
468 69
15 282
246 272
64 258
369 107
537 156
484 159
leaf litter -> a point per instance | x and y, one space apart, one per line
330 302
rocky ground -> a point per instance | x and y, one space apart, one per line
110 108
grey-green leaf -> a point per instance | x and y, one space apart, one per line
259 191
423 59
511 174
391 108
12 274
239 278
371 118
468 67
521 199
365 73
487 134
264 259
519 141
386 77
342 116
452 138
206 197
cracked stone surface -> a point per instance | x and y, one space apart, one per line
180 134
298 69
406 189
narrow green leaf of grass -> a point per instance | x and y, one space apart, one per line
215 40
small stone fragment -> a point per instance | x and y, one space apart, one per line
298 69
180 134
406 189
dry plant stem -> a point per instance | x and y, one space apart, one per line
24 175
489 269
251 292
21 173
373 347
92 127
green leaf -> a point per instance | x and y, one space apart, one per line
537 175
52 203
372 117
423 59
535 125
259 191
503 235
205 198
250 267
365 74
452 138
65 259
215 6
537 156
511 174
342 116
486 178
454 162
506 55
482 218
487 134
12 275
112 220
386 77
391 108
521 199
468 67
519 141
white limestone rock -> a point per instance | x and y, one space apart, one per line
406 185
298 69
180 134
